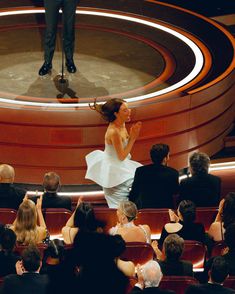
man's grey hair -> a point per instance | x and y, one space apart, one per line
152 274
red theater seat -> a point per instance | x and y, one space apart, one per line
195 252
155 218
106 215
19 248
217 248
177 283
230 282
7 215
138 252
206 216
56 219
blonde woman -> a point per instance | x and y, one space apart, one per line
126 214
25 225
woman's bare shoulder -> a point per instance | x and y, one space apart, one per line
173 227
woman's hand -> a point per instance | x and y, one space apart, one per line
173 216
157 251
39 203
135 130
19 268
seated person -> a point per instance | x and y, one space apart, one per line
224 217
8 258
183 224
27 280
10 196
51 184
217 275
25 225
149 277
169 259
201 188
83 218
127 267
126 214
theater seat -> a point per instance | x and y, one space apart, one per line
206 216
177 283
195 252
19 248
230 282
106 215
155 218
131 284
138 252
7 215
55 219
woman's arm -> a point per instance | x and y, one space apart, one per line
70 221
218 217
39 212
116 139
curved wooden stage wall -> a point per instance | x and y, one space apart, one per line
36 140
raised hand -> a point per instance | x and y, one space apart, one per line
135 130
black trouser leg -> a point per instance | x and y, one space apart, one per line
69 11
52 15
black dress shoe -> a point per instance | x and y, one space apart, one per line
71 67
45 69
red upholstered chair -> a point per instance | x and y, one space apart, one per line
19 248
195 252
155 218
138 252
206 216
56 219
177 283
230 282
106 215
131 284
217 248
7 215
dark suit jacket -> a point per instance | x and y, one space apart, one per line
28 283
154 186
11 196
208 289
52 200
176 267
7 263
203 190
151 290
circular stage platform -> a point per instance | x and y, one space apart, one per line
167 62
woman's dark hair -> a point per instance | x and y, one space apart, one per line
8 239
228 216
108 109
188 211
229 236
55 249
84 218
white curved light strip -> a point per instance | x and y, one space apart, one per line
196 50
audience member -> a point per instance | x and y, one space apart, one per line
127 267
169 259
83 218
217 275
10 196
224 217
183 223
27 280
25 225
51 184
202 188
96 268
126 214
155 184
8 258
149 277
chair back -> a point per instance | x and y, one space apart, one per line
138 252
217 248
177 283
7 215
108 216
206 216
55 219
195 252
230 282
19 248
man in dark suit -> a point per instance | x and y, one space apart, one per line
217 275
149 278
27 280
155 184
50 199
10 196
202 188
52 8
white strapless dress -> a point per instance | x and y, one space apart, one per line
114 175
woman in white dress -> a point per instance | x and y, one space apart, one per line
112 168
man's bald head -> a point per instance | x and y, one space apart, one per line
7 173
